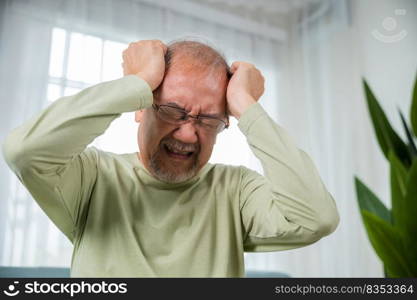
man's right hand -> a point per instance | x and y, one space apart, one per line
146 60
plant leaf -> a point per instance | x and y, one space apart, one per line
411 245
387 138
404 206
388 245
398 177
368 201
413 110
411 202
411 145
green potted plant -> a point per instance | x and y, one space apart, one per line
393 232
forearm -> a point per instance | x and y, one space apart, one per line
296 189
66 127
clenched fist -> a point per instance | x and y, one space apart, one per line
146 60
245 87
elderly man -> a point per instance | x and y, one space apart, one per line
165 211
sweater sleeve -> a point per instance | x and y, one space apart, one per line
48 153
289 207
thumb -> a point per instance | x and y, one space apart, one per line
234 66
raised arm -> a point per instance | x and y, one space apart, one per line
48 153
289 207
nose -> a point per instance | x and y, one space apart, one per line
186 133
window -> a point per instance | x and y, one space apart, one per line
79 60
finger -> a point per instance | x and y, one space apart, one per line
165 48
234 66
156 42
236 63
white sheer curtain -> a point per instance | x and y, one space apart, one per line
330 49
27 237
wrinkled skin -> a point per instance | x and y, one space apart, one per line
199 90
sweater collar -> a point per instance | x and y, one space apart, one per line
149 179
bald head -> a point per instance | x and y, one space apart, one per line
195 56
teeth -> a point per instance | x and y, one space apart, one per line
177 151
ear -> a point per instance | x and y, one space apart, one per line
138 116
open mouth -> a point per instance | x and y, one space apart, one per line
176 153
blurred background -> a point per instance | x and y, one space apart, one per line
312 53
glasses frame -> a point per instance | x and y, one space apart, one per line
187 115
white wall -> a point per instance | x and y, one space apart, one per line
389 68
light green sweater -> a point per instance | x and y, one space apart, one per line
125 223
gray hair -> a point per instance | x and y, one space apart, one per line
201 53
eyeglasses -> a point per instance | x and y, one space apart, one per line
177 116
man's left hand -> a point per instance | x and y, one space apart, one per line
245 87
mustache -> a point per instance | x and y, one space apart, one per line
180 146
